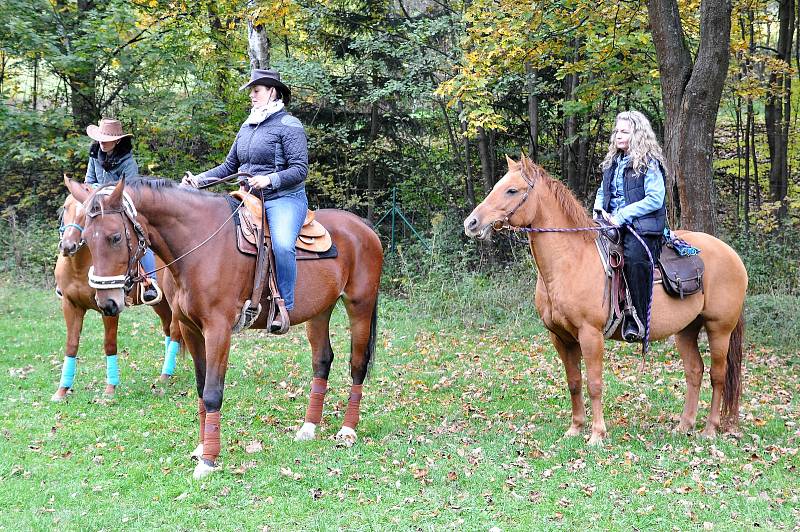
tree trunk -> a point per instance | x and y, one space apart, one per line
691 92
82 76
486 160
469 187
533 113
258 43
373 135
777 110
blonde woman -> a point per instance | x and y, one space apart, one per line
632 195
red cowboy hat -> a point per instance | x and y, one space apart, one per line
108 130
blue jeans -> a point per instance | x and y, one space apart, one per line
285 216
149 262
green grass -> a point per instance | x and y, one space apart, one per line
461 429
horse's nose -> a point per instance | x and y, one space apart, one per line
110 308
67 249
470 224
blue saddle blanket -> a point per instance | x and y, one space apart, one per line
681 247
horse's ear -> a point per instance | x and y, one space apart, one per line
511 162
528 167
79 192
115 198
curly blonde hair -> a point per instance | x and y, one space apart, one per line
643 147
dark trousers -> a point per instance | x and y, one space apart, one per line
637 269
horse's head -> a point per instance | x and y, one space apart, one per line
73 218
116 241
508 203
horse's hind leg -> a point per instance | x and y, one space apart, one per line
171 342
110 325
318 333
571 357
363 315
718 342
73 316
686 341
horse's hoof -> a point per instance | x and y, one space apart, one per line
60 395
203 469
596 440
306 432
108 393
572 432
709 432
163 378
346 436
682 428
197 454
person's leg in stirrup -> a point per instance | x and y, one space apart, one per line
152 293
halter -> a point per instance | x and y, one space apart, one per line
63 229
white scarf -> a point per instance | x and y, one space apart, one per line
259 114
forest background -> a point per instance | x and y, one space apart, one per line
421 97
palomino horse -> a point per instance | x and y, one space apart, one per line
71 273
570 298
193 232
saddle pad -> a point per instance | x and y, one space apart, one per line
313 235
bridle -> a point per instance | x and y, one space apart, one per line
503 223
63 229
127 212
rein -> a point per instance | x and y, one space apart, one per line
127 281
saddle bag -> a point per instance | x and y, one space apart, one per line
681 276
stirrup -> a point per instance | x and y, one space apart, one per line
246 317
159 294
280 318
639 335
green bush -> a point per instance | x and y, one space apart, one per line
28 251
773 320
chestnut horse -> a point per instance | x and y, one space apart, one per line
192 231
571 301
71 274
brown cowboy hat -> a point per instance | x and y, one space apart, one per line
108 130
268 78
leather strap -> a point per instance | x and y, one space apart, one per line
261 260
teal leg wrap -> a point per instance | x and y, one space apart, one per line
167 340
112 370
68 371
170 358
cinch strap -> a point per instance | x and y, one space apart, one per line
68 371
105 283
112 370
170 357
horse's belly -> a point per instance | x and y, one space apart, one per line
670 314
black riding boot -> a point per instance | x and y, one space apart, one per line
639 276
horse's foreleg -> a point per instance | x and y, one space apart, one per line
195 343
73 316
362 316
571 357
686 341
591 345
317 331
217 343
110 326
718 342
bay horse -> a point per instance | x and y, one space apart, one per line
571 302
192 231
71 274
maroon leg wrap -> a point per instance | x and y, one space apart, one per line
211 443
201 409
353 407
319 387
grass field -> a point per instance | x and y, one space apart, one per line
462 428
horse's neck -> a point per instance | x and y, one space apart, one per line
560 257
81 261
179 221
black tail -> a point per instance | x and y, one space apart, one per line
733 376
373 336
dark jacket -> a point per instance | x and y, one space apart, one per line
106 168
276 147
647 224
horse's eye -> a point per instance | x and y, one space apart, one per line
115 239
512 191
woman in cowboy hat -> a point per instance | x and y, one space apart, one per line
271 145
111 159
